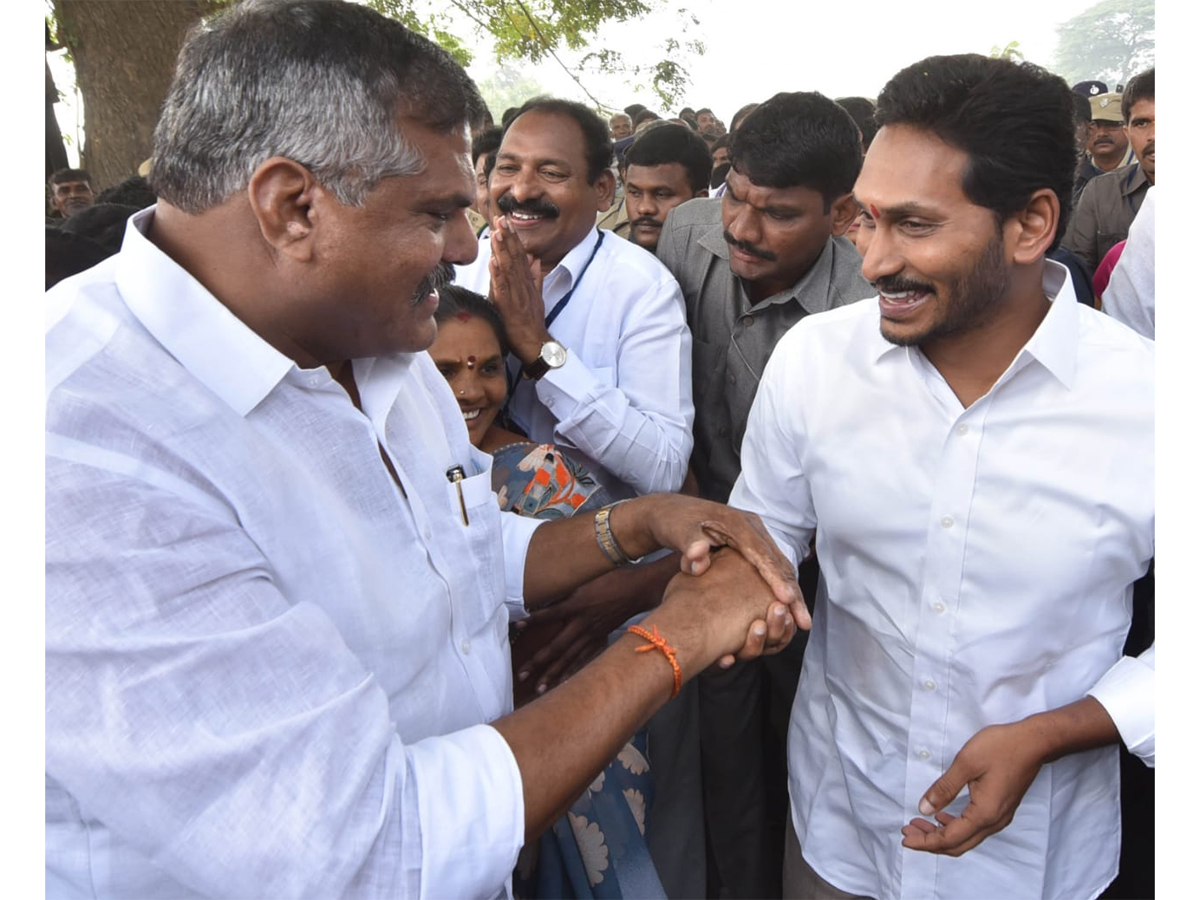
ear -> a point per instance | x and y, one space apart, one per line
1030 231
281 196
843 212
606 190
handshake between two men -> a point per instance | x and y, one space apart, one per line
735 598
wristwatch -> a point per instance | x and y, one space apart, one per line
552 356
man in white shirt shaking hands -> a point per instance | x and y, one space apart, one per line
974 453
277 582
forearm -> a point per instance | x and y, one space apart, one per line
638 429
565 554
564 738
1082 725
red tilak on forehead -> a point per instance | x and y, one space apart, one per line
463 316
874 210
470 362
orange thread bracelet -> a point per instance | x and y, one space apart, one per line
658 642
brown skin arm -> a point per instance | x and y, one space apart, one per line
567 736
997 766
557 639
567 555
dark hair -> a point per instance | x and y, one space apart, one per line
1140 87
102 223
454 299
718 175
723 141
1014 148
1083 107
802 139
633 109
740 115
705 109
317 82
597 142
862 111
63 175
69 254
670 143
687 110
486 141
133 191
646 115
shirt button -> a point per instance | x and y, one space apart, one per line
732 378
426 533
924 754
961 430
466 647
929 685
747 321
939 607
947 521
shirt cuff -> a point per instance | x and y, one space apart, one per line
472 812
1126 691
516 532
571 383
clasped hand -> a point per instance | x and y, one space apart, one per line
516 291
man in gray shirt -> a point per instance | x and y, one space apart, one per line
752 264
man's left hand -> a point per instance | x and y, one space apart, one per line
517 292
997 766
697 528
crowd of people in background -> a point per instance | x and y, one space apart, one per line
330 614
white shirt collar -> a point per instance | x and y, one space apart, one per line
217 347
577 257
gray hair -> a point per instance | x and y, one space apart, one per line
320 82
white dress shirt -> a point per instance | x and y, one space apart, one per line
266 669
624 397
979 566
1129 297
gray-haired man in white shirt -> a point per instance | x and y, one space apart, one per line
278 584
964 687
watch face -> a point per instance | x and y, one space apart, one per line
554 354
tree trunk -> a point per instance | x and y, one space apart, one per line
124 52
56 151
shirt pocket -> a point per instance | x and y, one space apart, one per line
476 512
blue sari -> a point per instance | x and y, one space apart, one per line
598 849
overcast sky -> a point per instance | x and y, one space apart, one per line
758 47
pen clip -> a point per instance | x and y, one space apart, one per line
455 476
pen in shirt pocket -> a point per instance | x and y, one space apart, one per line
455 476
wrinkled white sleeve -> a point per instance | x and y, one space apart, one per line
773 482
1126 691
1129 297
639 427
230 735
516 532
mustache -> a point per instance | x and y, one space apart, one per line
1148 149
645 221
438 278
749 248
895 284
1103 139
535 207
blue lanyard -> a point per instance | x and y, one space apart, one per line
561 304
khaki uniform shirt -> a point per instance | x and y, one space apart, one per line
1105 211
